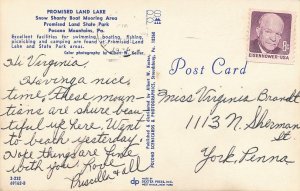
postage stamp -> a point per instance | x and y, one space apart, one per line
271 37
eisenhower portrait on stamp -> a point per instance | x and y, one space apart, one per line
270 33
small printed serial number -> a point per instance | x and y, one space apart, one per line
16 180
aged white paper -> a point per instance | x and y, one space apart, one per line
140 95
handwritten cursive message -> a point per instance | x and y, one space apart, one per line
90 127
